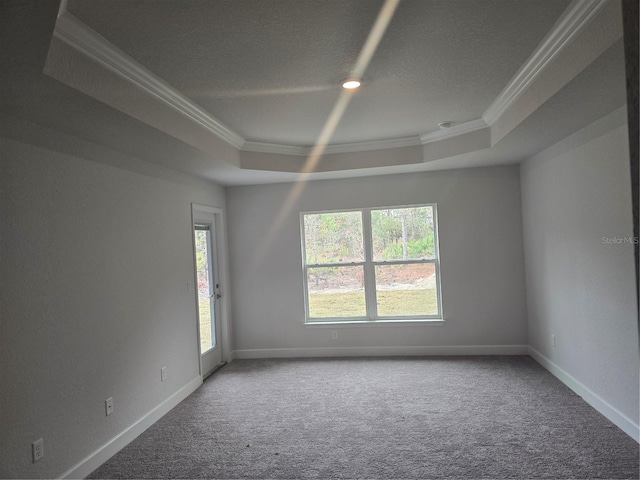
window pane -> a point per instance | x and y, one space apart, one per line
336 292
402 233
204 290
333 237
406 289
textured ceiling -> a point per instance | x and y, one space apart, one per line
57 95
270 69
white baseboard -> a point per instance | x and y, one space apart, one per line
113 446
605 408
230 356
381 351
102 454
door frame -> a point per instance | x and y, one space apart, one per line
214 216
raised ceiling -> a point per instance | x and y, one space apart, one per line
271 70
245 91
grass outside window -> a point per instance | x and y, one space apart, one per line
371 264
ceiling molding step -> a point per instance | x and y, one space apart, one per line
453 131
373 145
577 15
62 9
79 36
260 147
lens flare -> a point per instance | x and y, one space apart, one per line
370 46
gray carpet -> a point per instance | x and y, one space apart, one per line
382 418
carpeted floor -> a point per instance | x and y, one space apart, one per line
380 418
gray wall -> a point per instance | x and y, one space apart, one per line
482 264
95 262
575 196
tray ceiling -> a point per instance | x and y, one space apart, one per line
248 91
271 70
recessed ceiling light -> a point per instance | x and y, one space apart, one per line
351 83
445 125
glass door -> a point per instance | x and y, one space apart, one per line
208 295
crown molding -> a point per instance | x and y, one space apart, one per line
79 36
453 131
373 145
75 33
62 9
577 15
260 147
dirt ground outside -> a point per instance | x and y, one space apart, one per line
388 277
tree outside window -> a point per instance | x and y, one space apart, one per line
371 264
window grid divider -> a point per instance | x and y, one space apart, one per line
337 264
369 266
370 295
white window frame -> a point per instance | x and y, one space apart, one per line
369 266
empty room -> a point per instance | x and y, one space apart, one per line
319 239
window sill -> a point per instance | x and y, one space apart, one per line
432 322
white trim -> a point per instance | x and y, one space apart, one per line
205 209
380 322
62 9
601 405
278 149
223 273
368 269
117 443
577 15
381 351
368 265
453 131
373 145
79 36
212 357
304 151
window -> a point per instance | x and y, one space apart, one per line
371 264
204 274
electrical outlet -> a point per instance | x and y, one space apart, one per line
163 374
334 334
108 406
553 341
37 450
